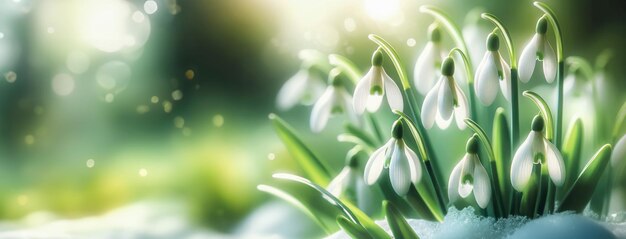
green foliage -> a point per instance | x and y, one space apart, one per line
311 165
572 148
352 229
502 153
399 227
582 190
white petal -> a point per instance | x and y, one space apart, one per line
522 165
465 188
361 93
528 59
322 109
549 62
346 103
556 167
506 81
482 188
339 183
441 122
414 165
445 99
375 100
394 96
425 75
429 107
292 91
486 84
461 111
374 166
453 182
618 156
399 173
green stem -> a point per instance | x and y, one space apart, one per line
452 29
576 62
393 54
514 77
347 66
559 57
470 79
497 195
545 112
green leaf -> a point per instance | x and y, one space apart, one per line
361 134
572 148
298 204
349 210
582 190
399 227
353 230
502 152
305 158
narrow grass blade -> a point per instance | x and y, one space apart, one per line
572 148
297 203
352 229
399 227
350 211
361 134
305 158
502 152
582 190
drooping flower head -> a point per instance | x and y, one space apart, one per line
536 149
403 164
426 71
335 100
305 87
538 49
376 84
491 72
445 101
469 176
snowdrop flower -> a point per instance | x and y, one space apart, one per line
469 176
474 34
376 84
304 87
428 63
538 49
335 100
403 164
445 101
575 85
536 150
491 72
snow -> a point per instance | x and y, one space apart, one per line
467 225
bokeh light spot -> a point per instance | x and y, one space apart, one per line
63 84
90 163
218 120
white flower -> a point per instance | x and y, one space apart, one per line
403 164
538 49
536 150
491 72
445 101
474 34
575 86
335 100
469 176
305 87
426 71
376 84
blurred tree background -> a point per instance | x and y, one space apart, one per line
109 102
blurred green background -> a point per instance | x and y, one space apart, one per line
105 103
